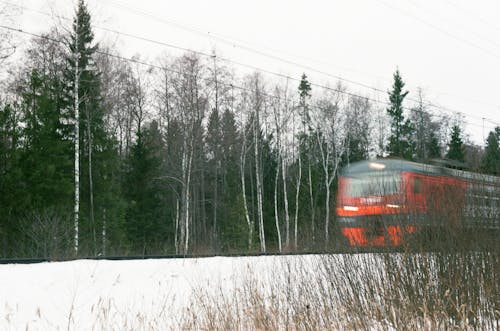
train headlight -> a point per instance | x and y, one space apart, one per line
376 166
392 206
351 208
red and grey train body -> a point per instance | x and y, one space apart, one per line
382 202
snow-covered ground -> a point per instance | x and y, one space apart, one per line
90 294
308 292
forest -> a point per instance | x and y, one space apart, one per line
103 155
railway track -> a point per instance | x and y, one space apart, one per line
31 260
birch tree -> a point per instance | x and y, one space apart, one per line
95 154
191 105
331 143
304 144
358 129
258 105
242 166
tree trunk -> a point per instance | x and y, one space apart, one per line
104 232
77 149
276 213
91 181
250 223
285 197
311 199
297 193
259 184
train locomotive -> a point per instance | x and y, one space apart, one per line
386 201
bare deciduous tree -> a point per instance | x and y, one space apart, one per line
330 140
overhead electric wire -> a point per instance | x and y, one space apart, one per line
195 30
437 28
427 104
477 17
155 66
441 18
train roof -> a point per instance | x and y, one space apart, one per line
398 165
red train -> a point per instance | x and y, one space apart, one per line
383 202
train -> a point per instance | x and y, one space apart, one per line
384 202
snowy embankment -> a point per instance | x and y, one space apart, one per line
311 292
86 294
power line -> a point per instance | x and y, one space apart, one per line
419 6
437 28
477 17
155 66
197 31
427 104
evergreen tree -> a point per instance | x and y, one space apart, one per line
491 160
456 150
46 153
304 95
400 141
95 150
146 210
12 189
233 228
433 149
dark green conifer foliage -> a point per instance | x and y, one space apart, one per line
491 160
456 147
233 225
46 153
400 141
147 229
99 192
304 95
12 189
433 148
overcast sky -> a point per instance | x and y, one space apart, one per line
449 48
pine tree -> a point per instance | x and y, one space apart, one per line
233 229
400 141
433 148
491 160
146 229
13 198
95 151
304 96
456 149
46 152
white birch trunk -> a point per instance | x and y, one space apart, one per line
77 149
259 183
91 181
297 193
188 198
285 198
311 199
328 179
182 226
276 214
250 223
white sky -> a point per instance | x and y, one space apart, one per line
449 48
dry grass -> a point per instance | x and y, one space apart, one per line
403 291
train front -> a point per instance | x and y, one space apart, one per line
371 204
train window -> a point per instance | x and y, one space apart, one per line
374 185
417 185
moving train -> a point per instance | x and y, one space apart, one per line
384 202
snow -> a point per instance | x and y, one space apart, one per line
173 294
85 294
